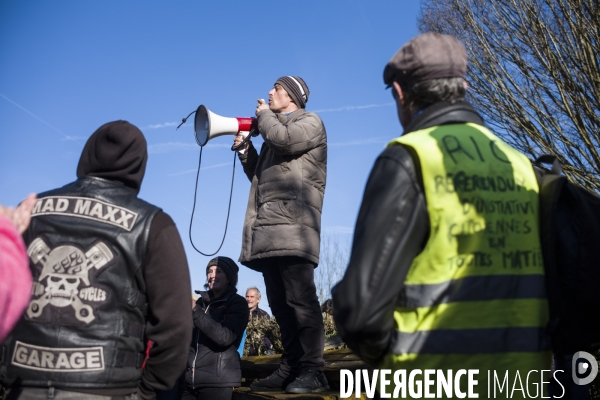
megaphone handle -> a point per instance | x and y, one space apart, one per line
242 144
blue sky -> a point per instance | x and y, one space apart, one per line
67 67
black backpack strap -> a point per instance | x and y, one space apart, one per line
551 185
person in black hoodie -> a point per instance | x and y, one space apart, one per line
110 274
220 318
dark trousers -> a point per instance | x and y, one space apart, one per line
293 300
207 393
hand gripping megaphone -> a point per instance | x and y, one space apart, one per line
208 125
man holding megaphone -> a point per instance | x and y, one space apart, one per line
282 228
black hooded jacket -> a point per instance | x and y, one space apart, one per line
115 156
118 153
213 359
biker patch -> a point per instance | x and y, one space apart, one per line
83 207
67 293
77 359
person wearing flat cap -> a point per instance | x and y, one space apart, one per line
281 235
220 317
110 276
432 282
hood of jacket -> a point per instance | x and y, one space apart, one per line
116 151
208 296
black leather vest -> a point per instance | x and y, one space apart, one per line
84 326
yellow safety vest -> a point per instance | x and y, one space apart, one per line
475 297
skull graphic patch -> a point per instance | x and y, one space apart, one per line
66 272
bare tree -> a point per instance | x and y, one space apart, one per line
333 263
533 73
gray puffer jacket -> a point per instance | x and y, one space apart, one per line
283 217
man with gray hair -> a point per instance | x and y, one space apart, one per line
281 235
253 298
432 283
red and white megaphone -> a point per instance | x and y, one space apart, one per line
208 125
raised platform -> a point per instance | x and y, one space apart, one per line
244 393
262 366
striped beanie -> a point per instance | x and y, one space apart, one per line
296 88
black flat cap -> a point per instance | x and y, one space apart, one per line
427 56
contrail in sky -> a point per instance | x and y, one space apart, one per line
359 142
165 125
196 170
66 137
350 108
161 148
346 108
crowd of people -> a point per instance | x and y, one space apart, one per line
428 285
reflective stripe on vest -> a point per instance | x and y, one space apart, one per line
472 341
473 288
477 288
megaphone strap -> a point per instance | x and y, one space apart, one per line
228 207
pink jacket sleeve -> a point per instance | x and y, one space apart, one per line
15 276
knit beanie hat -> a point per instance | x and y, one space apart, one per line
228 266
296 88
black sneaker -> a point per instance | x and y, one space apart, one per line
309 381
273 383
